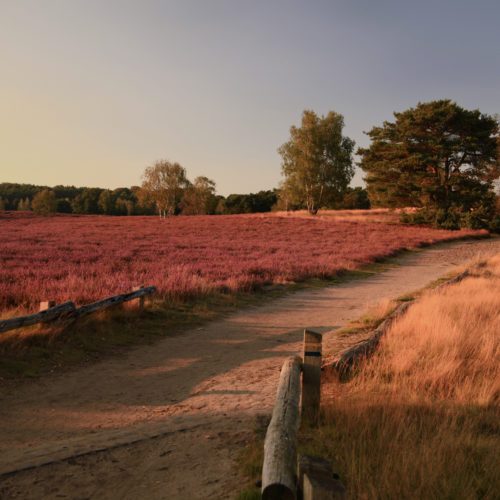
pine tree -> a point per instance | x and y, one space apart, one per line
437 155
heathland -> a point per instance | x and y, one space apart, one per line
84 258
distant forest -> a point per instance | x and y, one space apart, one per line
128 201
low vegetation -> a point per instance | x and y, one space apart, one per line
421 418
87 258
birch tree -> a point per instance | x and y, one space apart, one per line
164 184
317 160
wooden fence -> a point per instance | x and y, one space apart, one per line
50 312
298 398
283 476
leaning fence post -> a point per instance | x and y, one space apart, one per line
311 377
140 303
46 304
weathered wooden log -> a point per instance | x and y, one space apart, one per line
114 300
361 350
65 310
317 480
68 309
279 472
311 377
454 280
347 358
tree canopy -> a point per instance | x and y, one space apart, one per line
199 197
317 160
44 202
164 183
436 155
260 202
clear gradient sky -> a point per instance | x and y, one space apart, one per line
93 91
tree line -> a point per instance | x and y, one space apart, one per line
198 198
165 191
71 199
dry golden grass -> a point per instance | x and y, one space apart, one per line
421 419
446 347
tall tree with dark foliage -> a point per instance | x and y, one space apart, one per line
436 155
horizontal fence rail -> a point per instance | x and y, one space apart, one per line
47 315
50 312
114 300
280 447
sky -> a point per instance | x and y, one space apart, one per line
92 92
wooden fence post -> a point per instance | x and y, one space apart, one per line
311 377
140 300
317 480
47 304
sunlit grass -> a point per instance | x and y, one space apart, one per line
421 419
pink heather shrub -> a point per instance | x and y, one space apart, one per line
84 258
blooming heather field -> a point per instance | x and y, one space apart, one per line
84 258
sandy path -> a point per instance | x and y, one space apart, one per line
172 416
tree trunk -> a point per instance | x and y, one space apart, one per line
446 184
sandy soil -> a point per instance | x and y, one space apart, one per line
168 421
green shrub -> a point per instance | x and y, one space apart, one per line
495 224
481 216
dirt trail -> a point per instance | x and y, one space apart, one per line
171 418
